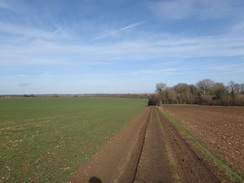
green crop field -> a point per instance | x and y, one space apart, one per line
46 139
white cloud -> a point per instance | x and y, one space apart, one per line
151 47
82 45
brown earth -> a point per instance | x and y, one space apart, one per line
221 129
148 149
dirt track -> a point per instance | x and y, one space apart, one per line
149 150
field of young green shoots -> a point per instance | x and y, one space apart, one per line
45 139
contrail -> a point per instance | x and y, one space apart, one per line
119 30
55 32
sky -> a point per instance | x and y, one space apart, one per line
118 46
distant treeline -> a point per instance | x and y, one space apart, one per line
128 95
205 92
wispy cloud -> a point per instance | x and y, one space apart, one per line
5 5
173 69
203 9
238 28
21 33
84 2
24 84
22 30
87 41
118 30
148 47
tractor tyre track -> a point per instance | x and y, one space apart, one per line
148 149
189 167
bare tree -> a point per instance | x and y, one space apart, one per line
242 88
204 86
160 87
234 87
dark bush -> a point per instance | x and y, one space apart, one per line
154 100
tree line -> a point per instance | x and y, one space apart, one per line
205 92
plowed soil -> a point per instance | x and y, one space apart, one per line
148 149
220 128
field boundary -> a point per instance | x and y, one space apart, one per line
224 166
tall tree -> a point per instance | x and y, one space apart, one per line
184 93
204 86
219 90
160 87
242 88
233 89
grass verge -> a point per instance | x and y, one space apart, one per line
224 166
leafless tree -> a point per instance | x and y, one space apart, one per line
160 87
234 87
242 88
204 86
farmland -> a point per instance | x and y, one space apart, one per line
157 146
220 129
45 139
119 140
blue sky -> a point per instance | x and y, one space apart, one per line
118 46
